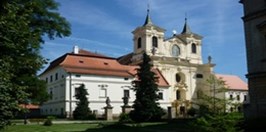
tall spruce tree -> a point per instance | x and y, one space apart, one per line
23 23
145 106
82 111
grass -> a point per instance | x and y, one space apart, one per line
180 125
53 128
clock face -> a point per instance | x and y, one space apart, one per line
175 51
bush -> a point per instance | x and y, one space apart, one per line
49 121
191 112
91 116
217 123
124 118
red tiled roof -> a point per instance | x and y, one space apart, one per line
82 52
233 82
29 106
162 81
125 59
94 64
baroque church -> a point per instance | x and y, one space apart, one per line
178 58
177 62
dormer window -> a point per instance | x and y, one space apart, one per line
81 61
175 51
154 42
139 42
194 48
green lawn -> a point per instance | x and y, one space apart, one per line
53 128
180 126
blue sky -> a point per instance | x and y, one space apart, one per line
105 26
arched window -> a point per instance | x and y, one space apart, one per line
177 94
175 51
139 42
194 48
177 77
154 42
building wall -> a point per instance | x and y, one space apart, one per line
63 100
239 97
254 24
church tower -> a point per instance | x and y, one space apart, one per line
178 58
147 38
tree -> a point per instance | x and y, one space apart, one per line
23 23
212 100
212 109
145 106
82 111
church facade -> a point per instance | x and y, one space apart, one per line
178 58
177 62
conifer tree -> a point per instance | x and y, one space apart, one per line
82 111
145 106
213 101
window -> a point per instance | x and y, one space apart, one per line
231 109
51 78
139 43
126 93
177 77
103 93
238 109
194 48
77 75
154 42
245 97
175 51
199 94
160 95
62 111
76 91
51 93
125 78
199 76
56 76
177 95
238 97
231 97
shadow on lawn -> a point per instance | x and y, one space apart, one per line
178 125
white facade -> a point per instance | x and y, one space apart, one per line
238 98
63 99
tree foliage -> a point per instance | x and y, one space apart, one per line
213 101
82 111
145 106
23 23
213 109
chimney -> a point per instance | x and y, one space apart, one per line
76 49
